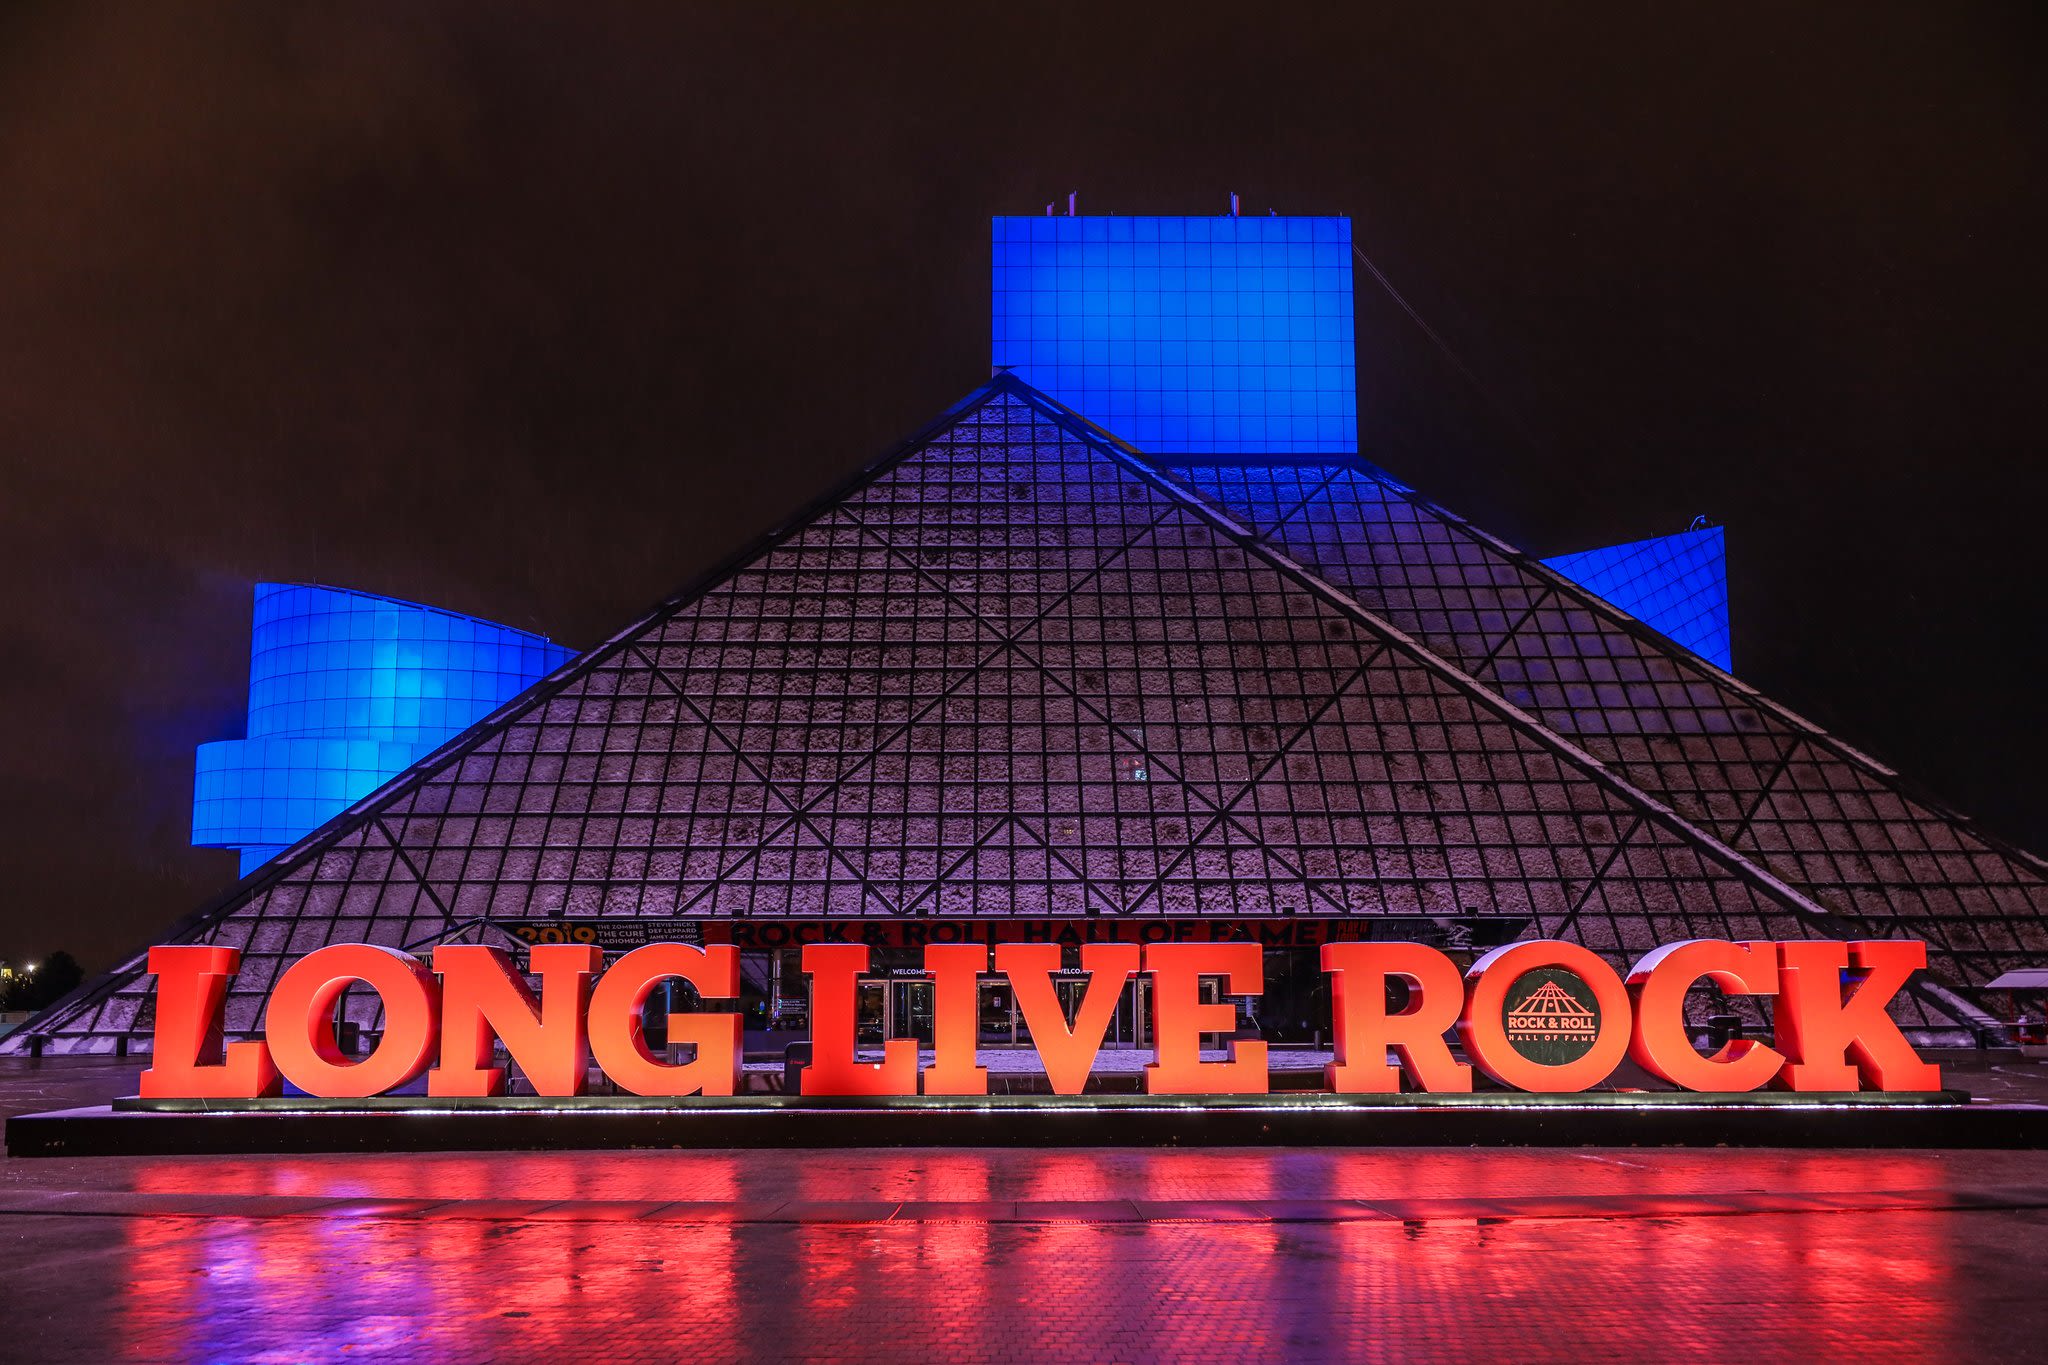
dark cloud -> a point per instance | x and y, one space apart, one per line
532 310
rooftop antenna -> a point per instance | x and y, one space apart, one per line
1072 196
1700 523
1233 203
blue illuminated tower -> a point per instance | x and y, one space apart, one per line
346 691
1185 335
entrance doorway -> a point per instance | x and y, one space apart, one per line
996 1018
1132 1026
1129 1027
893 1007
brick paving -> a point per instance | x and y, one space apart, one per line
1003 1255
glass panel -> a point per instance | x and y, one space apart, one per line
1132 1026
871 1013
911 1010
997 1026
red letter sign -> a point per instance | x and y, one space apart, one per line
955 970
1179 1019
300 1022
1543 1017
483 998
187 1060
835 970
1066 1054
1662 1044
617 1027
1565 1027
1831 1042
1358 994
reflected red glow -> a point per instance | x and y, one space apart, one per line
954 1174
1786 1286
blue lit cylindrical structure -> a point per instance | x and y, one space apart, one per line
346 691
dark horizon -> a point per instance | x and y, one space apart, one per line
535 315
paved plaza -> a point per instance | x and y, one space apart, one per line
1000 1254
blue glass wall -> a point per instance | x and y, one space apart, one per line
346 691
1676 584
1185 335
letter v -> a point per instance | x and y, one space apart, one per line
1067 1054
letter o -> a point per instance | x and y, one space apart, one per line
1485 1036
299 1026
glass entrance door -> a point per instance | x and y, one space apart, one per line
996 1017
910 1010
1132 1026
1070 990
893 1007
1129 1026
871 1012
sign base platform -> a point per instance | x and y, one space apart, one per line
412 1123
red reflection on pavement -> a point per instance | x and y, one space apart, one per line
652 1176
1778 1285
951 1174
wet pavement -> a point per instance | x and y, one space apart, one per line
996 1254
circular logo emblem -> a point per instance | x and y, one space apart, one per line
1551 1016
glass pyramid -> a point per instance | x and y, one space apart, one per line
1016 669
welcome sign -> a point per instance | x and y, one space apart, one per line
1542 1016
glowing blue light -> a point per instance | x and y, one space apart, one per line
1674 584
346 691
1185 335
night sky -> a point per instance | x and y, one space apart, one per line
534 310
